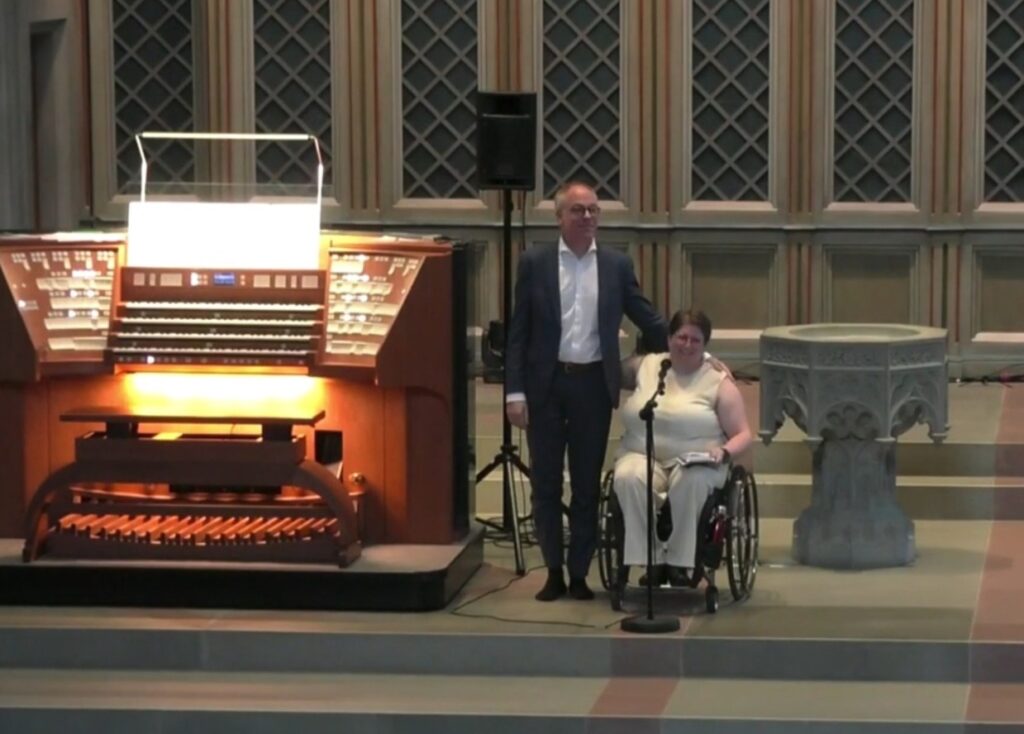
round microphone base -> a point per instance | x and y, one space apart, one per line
644 625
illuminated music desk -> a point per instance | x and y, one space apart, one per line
248 497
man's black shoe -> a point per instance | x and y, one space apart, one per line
553 588
578 589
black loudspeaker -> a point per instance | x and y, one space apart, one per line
327 446
506 140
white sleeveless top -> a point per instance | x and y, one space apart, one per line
685 419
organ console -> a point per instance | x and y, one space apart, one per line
172 412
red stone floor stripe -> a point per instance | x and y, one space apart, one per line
634 697
1011 422
996 702
999 613
1009 458
635 702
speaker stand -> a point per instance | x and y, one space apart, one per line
508 455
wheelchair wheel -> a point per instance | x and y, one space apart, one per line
741 540
611 536
711 599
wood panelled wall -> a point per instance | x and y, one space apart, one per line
802 238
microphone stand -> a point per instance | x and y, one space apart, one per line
650 624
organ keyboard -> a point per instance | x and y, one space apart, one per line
173 317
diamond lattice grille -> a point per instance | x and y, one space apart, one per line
1004 102
581 94
730 99
153 70
292 46
874 100
439 81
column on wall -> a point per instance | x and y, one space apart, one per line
43 184
223 96
16 208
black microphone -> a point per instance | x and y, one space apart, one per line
647 412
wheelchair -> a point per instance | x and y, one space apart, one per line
727 530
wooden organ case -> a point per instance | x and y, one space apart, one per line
176 413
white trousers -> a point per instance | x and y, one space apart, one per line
687 490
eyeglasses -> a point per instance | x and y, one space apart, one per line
578 210
687 339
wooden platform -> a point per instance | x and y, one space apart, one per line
385 578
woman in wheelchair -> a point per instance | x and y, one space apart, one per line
701 412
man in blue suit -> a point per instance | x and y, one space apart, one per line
563 375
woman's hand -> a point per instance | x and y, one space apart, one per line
718 454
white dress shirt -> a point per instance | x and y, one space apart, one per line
577 286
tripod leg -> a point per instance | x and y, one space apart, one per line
517 541
483 473
518 463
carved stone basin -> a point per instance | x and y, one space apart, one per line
854 332
853 388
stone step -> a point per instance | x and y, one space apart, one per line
792 456
80 701
982 440
925 647
780 653
922 497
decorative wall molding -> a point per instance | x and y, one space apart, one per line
799 226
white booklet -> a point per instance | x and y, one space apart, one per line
694 457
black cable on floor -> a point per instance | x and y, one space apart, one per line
457 611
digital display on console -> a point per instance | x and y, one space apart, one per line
224 278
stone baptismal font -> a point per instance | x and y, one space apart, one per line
853 388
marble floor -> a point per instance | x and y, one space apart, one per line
939 641
934 646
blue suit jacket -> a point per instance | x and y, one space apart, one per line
536 328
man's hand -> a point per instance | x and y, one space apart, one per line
719 366
517 415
